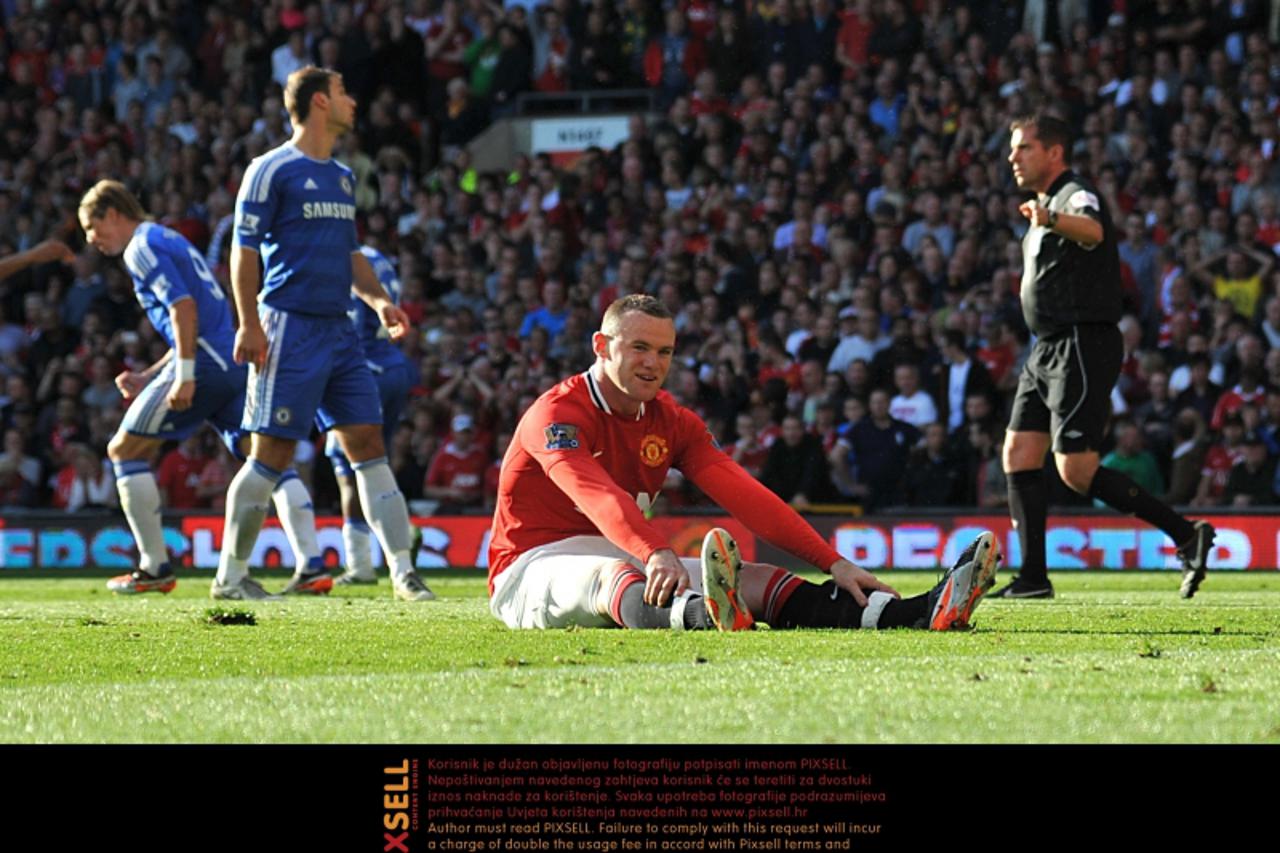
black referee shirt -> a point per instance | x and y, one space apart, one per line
1063 283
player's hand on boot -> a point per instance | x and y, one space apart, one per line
666 576
251 346
858 581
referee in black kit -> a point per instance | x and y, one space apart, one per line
1071 301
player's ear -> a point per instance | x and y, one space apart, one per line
600 344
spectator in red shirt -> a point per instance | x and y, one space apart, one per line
1221 457
85 481
700 15
999 354
447 38
179 475
456 475
215 478
749 450
1250 390
856 24
68 428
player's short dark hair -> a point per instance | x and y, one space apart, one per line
106 195
301 86
1050 130
642 302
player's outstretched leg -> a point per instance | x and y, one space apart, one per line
785 601
298 518
384 507
247 500
974 573
721 563
140 500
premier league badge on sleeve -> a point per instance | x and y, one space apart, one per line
345 183
561 436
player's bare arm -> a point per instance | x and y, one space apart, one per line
764 512
373 294
183 316
41 253
1083 230
618 518
246 277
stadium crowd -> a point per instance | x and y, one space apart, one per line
823 201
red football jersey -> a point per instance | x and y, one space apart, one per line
1233 401
574 468
459 469
1218 462
179 475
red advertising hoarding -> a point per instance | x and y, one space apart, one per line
50 541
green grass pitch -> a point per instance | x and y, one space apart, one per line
1117 657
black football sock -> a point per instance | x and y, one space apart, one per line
1029 509
632 612
829 606
1120 491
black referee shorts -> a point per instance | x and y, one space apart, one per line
1065 387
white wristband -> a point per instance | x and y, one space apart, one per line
186 369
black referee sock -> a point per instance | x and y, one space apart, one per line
1119 491
636 614
829 606
1029 509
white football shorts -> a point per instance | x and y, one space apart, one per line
556 585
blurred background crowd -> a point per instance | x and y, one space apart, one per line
821 196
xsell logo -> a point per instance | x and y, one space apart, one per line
395 804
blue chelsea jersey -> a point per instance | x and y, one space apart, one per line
378 347
166 269
299 215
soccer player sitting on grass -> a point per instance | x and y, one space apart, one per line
189 310
571 544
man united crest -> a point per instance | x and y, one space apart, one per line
654 450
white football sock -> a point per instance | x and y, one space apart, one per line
247 502
357 542
876 603
385 510
140 500
298 518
